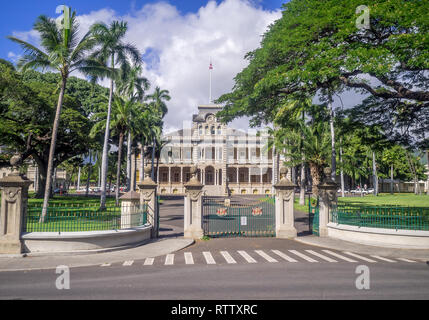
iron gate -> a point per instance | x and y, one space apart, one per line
235 217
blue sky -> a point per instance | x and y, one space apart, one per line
20 15
177 39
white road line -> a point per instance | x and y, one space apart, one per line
189 259
246 256
406 260
128 263
321 256
209 258
384 259
303 256
359 256
228 257
284 256
149 261
339 256
265 256
106 265
169 259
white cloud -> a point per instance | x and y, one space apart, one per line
178 48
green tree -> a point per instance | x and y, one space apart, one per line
62 51
27 111
157 101
112 52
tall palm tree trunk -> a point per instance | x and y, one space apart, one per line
374 173
104 161
129 143
302 190
331 123
52 151
143 152
153 159
88 179
118 168
342 169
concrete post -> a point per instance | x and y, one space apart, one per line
148 197
14 197
327 195
285 196
193 207
130 205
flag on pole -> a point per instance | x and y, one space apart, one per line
211 66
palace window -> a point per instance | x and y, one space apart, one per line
213 130
219 130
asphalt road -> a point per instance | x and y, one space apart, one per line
224 282
220 269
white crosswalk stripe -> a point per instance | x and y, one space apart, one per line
383 259
189 259
406 260
246 256
149 261
128 263
209 258
321 256
228 257
169 260
359 257
339 256
303 256
284 256
106 265
265 256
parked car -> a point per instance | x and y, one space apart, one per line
60 191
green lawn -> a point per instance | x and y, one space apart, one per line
400 199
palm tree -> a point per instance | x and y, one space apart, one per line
63 52
123 111
157 100
131 85
112 50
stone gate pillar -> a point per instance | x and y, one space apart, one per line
285 195
327 195
148 197
14 197
193 227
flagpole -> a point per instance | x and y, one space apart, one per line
211 69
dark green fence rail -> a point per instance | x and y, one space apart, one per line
389 217
80 217
238 220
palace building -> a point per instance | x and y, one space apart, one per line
229 161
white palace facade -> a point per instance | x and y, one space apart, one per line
229 161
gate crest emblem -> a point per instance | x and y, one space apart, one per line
221 212
257 212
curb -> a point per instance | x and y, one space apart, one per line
135 253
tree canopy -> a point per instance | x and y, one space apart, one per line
317 49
